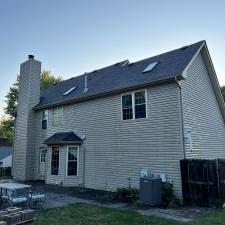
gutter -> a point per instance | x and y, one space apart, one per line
182 118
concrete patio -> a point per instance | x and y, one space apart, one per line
57 196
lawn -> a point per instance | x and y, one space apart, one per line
83 214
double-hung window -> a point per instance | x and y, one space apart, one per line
127 107
55 161
72 161
44 123
57 115
134 105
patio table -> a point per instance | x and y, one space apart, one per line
14 186
10 190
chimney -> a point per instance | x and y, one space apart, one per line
29 96
30 56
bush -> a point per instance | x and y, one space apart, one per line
127 194
168 197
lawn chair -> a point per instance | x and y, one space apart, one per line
35 197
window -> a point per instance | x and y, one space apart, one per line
69 91
134 105
127 107
72 162
44 119
55 161
140 105
57 116
150 67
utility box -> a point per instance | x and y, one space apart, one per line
151 190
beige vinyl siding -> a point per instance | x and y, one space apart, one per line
29 96
202 115
116 150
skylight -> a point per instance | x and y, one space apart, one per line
150 67
69 91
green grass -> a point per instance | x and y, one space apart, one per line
83 214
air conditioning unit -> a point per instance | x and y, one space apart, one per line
151 190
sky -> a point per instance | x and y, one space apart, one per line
71 37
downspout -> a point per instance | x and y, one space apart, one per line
14 137
84 167
182 118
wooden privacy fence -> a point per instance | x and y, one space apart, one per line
203 182
5 172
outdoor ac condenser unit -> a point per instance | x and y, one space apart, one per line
151 190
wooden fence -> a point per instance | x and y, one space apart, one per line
5 172
203 182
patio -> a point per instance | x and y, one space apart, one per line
58 196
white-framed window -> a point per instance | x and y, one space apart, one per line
72 160
57 116
134 105
44 123
55 161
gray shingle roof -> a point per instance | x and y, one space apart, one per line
63 138
118 77
5 151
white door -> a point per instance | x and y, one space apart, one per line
43 152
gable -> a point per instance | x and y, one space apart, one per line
210 72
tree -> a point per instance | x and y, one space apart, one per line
7 129
223 92
12 96
7 125
47 79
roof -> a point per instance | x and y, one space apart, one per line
120 76
63 138
4 142
5 152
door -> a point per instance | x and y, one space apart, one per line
42 166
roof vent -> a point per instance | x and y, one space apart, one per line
150 67
69 91
85 84
184 47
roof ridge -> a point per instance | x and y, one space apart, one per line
168 51
86 73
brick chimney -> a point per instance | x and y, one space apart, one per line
29 96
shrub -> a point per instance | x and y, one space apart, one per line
127 194
168 197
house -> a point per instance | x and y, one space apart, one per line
102 129
6 151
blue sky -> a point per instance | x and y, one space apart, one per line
71 37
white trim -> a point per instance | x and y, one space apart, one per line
55 146
132 93
184 73
40 150
78 159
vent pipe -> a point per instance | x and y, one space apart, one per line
85 84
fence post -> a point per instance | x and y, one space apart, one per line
218 183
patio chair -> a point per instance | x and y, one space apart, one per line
35 197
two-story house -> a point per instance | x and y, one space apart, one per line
102 129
